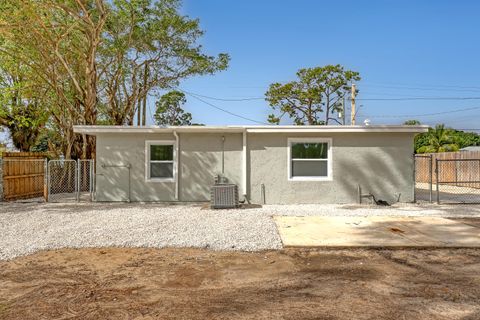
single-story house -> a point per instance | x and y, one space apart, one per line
270 164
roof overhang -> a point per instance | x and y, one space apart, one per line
94 130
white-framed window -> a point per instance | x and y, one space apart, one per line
160 157
309 159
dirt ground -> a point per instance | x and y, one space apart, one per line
116 283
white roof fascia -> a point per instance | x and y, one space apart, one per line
93 130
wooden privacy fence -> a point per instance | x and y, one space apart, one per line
23 175
457 168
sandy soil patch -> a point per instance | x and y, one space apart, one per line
125 283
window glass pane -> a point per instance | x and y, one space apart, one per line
164 153
309 169
161 170
310 150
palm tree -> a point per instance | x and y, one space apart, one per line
440 139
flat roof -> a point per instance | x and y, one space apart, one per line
94 130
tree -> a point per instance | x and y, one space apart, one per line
149 46
169 111
93 61
20 109
58 41
412 123
466 139
439 139
317 90
443 139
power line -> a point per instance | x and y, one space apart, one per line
222 109
407 98
425 114
422 89
418 86
197 96
359 99
224 99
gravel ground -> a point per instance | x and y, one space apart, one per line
29 227
403 209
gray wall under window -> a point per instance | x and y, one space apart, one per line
381 163
199 160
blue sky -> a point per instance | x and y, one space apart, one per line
402 49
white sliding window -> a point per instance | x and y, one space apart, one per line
160 160
309 159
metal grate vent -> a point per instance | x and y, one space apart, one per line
224 196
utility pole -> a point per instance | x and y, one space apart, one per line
139 112
144 111
353 111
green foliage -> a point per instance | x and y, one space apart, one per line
92 62
26 125
466 139
317 90
150 46
20 110
412 123
169 111
441 139
49 141
309 150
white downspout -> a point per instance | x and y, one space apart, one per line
244 164
177 158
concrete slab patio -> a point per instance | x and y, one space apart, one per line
376 231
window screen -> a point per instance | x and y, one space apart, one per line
309 159
160 161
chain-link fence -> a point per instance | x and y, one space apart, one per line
40 179
447 180
457 180
23 179
86 181
62 180
424 178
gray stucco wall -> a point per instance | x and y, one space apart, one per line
200 158
382 164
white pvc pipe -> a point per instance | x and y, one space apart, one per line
244 163
177 153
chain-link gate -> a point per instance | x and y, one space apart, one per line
86 180
62 180
70 180
457 180
424 178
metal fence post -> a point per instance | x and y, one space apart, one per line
436 174
430 169
1 180
49 182
77 179
414 180
92 180
45 180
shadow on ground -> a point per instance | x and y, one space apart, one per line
200 284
